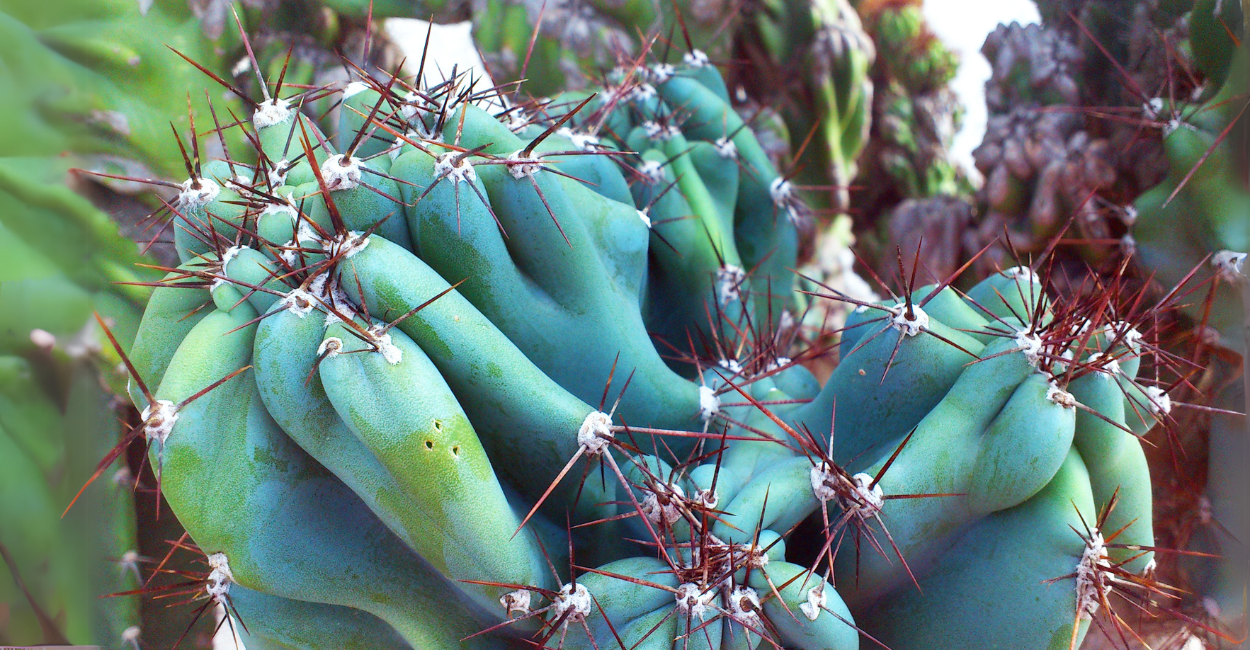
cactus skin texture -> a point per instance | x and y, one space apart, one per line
1035 535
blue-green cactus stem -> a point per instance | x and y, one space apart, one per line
900 371
1001 568
593 278
518 411
994 440
764 223
270 622
278 521
398 405
1117 466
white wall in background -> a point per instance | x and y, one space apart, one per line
963 26
227 637
450 45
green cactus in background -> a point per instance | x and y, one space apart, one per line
1200 208
95 80
57 569
1206 186
566 44
915 113
810 66
57 417
906 171
95 77
812 63
572 44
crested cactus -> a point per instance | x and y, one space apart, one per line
1077 107
548 242
466 371
439 368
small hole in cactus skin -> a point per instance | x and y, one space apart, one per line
438 425
456 450
429 444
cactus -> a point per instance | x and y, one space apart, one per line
446 369
1043 539
95 80
57 416
914 114
808 63
1077 106
556 46
370 388
1224 501
812 63
1077 109
907 172
1040 166
57 569
1207 179
459 187
572 42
